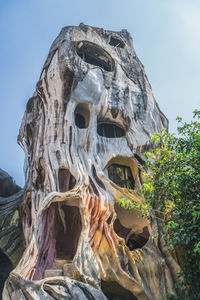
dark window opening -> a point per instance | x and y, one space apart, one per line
115 42
110 130
82 115
121 175
66 180
95 55
136 241
80 121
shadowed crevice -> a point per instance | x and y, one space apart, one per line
66 180
114 291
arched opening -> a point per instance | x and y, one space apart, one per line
82 116
95 55
120 230
61 227
68 226
133 241
136 241
5 269
132 227
114 291
121 175
66 180
110 130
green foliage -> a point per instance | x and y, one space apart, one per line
131 205
172 188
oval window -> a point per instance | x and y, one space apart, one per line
82 116
110 130
95 55
121 175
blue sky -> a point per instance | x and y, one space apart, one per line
166 35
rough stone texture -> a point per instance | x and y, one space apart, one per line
93 110
11 234
7 186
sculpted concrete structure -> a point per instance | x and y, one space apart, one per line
84 134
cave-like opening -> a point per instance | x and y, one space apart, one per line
61 229
82 115
80 121
68 226
133 241
134 229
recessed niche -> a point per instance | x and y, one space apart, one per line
95 55
121 175
66 180
120 230
132 227
61 229
110 130
80 121
67 231
136 241
116 42
82 116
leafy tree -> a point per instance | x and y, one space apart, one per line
172 190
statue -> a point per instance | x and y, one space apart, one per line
84 134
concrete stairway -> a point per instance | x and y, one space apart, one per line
64 267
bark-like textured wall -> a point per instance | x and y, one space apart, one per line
84 134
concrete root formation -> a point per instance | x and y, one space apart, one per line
84 134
